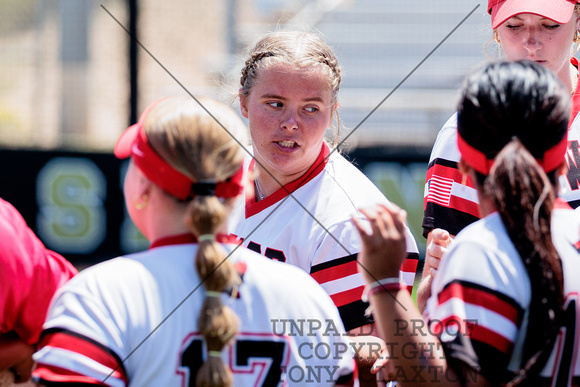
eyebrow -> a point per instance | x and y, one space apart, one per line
542 19
274 96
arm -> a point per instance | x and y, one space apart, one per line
368 346
30 274
15 356
438 242
417 358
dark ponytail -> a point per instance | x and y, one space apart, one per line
524 197
513 112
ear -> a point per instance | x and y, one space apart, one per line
243 102
144 184
333 110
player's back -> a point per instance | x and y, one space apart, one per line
134 322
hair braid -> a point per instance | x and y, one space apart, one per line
251 64
195 143
217 322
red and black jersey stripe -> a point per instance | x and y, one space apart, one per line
82 345
349 304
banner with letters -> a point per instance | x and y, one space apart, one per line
74 200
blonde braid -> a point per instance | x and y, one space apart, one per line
190 140
217 322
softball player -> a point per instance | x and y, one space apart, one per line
194 309
289 93
29 276
302 194
504 300
539 30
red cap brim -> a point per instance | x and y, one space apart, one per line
126 141
559 11
133 142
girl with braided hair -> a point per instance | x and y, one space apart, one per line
299 202
503 309
195 309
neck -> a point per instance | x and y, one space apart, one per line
574 78
267 184
569 78
486 206
164 217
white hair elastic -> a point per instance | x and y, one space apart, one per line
214 354
206 237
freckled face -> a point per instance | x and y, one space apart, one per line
289 111
533 37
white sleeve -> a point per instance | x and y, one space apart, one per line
81 342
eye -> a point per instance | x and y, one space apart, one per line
552 26
312 109
275 104
512 27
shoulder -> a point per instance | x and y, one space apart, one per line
483 254
16 236
123 275
566 230
574 130
23 255
445 146
279 282
342 181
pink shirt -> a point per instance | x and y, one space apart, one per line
29 276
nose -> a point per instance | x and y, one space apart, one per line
531 41
289 122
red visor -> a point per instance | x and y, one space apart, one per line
553 157
134 143
559 11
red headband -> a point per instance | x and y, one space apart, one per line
553 157
134 143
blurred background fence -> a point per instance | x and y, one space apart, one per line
72 79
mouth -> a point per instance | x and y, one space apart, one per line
287 144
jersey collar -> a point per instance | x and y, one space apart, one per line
576 97
182 239
253 207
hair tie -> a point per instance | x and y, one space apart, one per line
214 354
204 188
206 237
212 293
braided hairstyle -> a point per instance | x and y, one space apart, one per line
514 112
303 50
189 139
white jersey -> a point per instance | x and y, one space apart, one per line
450 199
132 321
482 290
570 181
312 229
